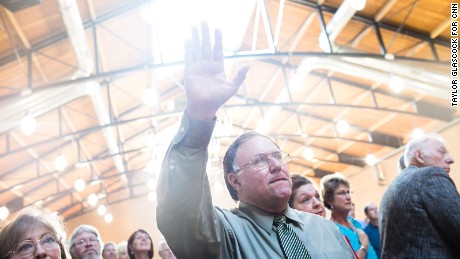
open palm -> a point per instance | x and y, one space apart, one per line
206 85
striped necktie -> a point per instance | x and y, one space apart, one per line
291 244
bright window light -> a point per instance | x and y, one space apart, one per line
152 183
28 125
172 25
60 163
218 187
152 196
150 97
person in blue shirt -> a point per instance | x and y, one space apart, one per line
372 229
335 191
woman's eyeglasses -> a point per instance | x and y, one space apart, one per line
27 247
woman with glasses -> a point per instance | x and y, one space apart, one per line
140 245
335 190
34 233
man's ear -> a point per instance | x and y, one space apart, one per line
419 157
234 181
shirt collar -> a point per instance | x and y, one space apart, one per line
265 219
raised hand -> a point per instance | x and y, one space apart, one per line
206 85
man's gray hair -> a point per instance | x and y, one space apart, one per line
416 144
88 229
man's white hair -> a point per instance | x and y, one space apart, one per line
416 144
88 229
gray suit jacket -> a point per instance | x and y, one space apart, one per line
420 215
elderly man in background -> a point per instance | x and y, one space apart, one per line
109 251
164 251
85 243
419 212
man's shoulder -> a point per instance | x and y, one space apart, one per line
370 228
423 171
413 175
309 218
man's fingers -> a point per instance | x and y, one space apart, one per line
206 50
196 50
218 54
240 76
188 57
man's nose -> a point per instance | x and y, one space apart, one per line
449 159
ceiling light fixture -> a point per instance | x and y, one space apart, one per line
396 83
101 210
417 133
343 127
28 124
371 159
308 153
4 212
60 163
79 185
92 199
108 217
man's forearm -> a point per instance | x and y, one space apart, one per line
185 210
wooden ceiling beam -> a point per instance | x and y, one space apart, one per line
25 42
131 5
440 28
382 25
384 10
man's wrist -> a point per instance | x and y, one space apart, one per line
363 248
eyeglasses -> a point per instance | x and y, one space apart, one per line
27 247
91 240
344 193
261 161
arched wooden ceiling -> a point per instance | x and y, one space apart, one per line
98 121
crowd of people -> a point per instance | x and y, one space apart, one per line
279 215
37 233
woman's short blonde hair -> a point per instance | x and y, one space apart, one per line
27 219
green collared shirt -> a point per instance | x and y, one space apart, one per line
194 228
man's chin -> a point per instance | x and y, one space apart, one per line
92 256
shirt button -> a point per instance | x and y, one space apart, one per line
171 167
182 129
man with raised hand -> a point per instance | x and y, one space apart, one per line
255 171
